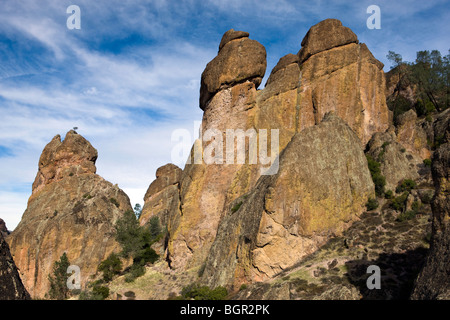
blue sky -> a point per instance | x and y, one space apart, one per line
130 76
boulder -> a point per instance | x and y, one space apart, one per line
325 35
232 35
238 60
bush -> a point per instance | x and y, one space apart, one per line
427 162
389 194
377 178
398 203
101 292
196 292
110 267
408 215
97 292
135 272
371 204
406 185
380 182
427 197
236 207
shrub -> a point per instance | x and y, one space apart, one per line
135 272
406 185
377 178
196 292
110 267
101 292
408 215
371 204
389 194
236 207
427 197
243 287
427 162
96 292
398 203
380 182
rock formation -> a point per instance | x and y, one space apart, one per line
434 280
396 163
321 187
11 286
162 196
411 135
239 59
3 230
331 73
339 74
71 209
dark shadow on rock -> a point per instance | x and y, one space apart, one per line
398 273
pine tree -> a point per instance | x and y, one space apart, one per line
58 279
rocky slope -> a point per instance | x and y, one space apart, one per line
71 209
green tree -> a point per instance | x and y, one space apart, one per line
136 242
429 72
129 234
110 267
58 279
137 210
155 227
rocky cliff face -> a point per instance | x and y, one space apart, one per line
321 187
434 280
331 72
396 163
339 74
411 135
71 209
11 286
